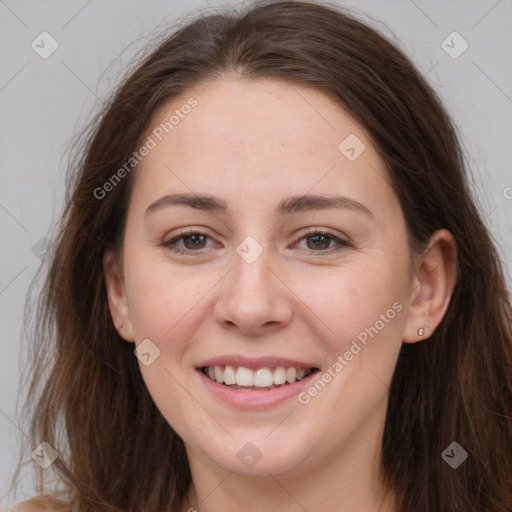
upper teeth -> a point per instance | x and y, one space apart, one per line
261 378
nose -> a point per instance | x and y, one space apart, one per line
254 299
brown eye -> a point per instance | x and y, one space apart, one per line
193 241
320 241
196 241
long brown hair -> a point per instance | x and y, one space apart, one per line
86 397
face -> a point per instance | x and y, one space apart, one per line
294 265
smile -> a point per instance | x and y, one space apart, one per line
260 379
255 383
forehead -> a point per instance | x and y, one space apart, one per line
261 139
249 117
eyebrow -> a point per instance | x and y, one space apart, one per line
294 204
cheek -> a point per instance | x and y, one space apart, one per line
362 301
157 297
362 308
168 305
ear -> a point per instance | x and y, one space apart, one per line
432 286
116 295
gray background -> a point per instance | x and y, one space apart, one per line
45 102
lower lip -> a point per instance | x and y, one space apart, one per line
254 399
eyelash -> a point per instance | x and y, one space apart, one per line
169 244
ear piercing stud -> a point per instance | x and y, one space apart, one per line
421 331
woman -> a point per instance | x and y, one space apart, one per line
272 214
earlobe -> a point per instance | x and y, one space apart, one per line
432 287
116 296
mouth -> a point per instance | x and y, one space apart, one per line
256 379
255 383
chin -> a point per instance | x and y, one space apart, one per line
255 455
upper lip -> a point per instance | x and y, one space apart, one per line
255 362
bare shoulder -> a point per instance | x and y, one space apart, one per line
42 504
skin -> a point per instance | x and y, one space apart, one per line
254 143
